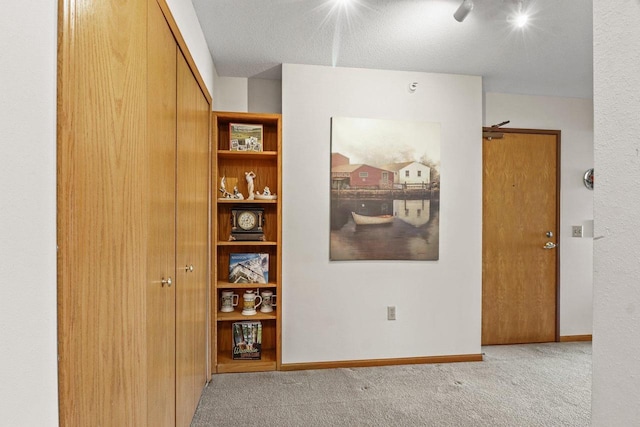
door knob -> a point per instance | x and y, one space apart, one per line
188 268
549 245
167 282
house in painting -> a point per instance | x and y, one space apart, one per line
410 174
338 159
360 176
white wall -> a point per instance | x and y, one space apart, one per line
574 117
616 326
265 96
185 16
241 95
231 94
337 310
28 355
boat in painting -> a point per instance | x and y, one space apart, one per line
371 220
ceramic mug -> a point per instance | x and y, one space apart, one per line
249 303
268 301
228 300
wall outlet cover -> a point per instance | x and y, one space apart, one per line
576 231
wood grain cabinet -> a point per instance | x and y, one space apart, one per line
133 217
267 166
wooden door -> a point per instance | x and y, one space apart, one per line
520 206
102 189
185 189
201 275
161 259
192 242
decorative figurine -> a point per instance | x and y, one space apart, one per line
249 177
236 194
266 195
223 188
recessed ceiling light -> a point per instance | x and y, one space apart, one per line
521 20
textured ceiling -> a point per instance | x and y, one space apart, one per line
551 56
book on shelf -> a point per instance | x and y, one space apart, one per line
247 340
248 268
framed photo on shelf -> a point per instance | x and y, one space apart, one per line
245 137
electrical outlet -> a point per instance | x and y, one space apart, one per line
391 312
576 231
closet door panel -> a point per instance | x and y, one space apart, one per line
161 310
102 160
202 238
186 246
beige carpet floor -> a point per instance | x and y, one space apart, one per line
515 386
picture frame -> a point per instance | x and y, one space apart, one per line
245 137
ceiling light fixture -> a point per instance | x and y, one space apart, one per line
465 8
521 18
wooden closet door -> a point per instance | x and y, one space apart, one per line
203 190
161 259
192 211
102 189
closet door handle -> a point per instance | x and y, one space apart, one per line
167 282
188 268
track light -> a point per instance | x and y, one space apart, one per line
465 8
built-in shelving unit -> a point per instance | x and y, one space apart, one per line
267 166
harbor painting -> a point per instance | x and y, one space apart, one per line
385 189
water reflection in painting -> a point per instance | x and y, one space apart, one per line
412 233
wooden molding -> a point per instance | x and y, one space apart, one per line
381 362
574 338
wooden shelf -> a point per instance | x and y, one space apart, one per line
245 243
228 285
247 155
247 202
237 316
226 364
226 117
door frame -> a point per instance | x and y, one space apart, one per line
557 134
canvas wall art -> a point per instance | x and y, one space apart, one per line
385 189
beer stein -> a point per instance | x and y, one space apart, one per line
268 301
228 300
249 303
